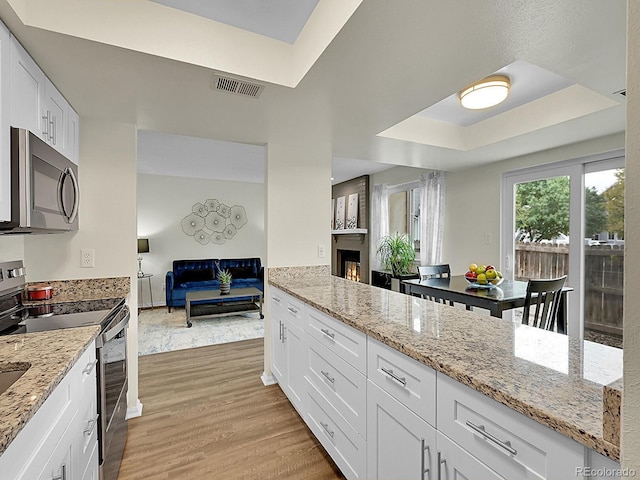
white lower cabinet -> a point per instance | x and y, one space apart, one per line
455 463
382 415
61 439
346 447
400 445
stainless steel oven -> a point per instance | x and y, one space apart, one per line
112 393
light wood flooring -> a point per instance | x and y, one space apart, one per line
207 415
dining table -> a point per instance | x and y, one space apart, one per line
508 295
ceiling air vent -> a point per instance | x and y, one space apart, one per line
236 86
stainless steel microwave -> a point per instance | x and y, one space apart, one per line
45 196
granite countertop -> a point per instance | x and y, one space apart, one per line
50 355
552 378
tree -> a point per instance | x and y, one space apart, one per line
595 212
542 208
614 202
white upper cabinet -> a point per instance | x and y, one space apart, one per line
37 105
5 112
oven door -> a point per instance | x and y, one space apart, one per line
112 393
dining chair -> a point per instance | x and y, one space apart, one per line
543 298
435 271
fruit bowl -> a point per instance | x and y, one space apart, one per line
490 283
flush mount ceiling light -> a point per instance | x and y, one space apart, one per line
485 93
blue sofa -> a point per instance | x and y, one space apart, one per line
193 275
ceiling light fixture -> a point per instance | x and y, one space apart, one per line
485 93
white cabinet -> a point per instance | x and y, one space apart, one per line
454 463
61 439
400 445
37 105
511 444
5 112
289 347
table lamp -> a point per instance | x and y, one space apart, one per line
143 247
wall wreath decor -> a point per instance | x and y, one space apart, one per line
213 222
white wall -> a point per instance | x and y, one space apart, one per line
298 213
164 201
472 202
631 397
11 247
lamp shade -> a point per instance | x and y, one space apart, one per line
143 245
485 93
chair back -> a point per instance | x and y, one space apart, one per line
543 298
434 271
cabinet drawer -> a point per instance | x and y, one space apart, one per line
508 442
341 384
338 437
346 342
407 380
285 306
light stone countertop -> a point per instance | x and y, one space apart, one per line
552 378
50 356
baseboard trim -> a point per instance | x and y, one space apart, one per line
135 411
268 379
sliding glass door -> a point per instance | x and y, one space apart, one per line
561 220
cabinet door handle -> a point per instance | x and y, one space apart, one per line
441 461
279 330
91 425
326 429
328 333
327 376
63 474
401 380
293 310
505 444
53 129
283 335
89 368
45 130
423 469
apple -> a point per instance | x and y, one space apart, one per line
471 275
490 274
472 267
490 267
482 279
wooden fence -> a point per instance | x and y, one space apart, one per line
604 273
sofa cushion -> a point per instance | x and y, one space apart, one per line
187 276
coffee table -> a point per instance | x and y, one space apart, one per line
210 303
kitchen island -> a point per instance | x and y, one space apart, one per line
550 378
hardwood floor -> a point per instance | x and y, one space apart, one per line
207 415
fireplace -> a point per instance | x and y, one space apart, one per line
349 262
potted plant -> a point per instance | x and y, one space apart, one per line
224 277
396 253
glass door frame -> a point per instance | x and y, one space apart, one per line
575 169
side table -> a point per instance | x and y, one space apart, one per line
140 282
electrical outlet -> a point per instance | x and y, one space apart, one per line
487 239
321 251
88 258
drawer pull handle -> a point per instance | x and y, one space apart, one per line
423 469
91 425
90 366
293 310
63 474
328 377
328 333
482 431
401 380
276 299
326 429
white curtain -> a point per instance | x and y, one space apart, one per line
379 221
431 217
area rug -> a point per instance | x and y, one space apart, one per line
160 331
